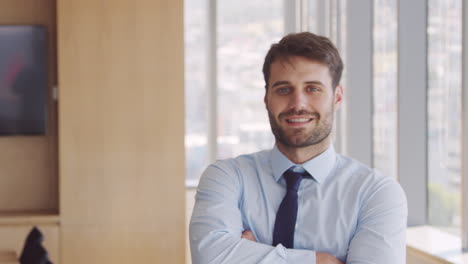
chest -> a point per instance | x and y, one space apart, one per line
326 219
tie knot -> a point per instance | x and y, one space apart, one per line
293 179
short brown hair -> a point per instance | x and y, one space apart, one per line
307 45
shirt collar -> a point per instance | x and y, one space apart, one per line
319 167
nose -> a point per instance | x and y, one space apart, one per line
298 101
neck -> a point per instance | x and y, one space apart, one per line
301 155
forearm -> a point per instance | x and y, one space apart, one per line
224 248
219 247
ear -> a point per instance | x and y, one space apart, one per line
265 97
338 96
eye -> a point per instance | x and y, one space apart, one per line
283 90
312 89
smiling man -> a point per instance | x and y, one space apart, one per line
300 202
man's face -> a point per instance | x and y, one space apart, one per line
301 102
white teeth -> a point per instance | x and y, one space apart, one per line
298 120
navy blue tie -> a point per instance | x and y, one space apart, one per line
286 216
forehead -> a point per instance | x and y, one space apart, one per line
297 68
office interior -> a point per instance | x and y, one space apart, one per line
107 181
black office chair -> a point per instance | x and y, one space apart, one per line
33 251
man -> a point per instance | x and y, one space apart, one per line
300 202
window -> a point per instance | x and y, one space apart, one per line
395 50
225 45
444 114
246 29
196 86
385 87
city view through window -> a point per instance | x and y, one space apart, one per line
245 31
385 87
444 113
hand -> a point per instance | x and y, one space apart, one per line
324 258
321 258
247 234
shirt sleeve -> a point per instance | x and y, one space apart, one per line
216 225
381 231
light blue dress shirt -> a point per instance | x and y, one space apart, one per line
345 209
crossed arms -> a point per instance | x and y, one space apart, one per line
321 257
217 232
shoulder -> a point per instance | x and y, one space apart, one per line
233 170
240 165
242 162
351 167
371 183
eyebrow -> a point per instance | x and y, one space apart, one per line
280 83
286 82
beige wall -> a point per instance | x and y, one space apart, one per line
121 117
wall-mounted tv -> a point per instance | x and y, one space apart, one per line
23 80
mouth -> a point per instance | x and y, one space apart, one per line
298 121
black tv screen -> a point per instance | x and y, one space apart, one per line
23 80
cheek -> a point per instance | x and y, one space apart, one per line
324 103
275 106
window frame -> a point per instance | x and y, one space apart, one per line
412 101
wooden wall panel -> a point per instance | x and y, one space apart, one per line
28 178
121 138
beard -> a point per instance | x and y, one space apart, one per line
302 137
